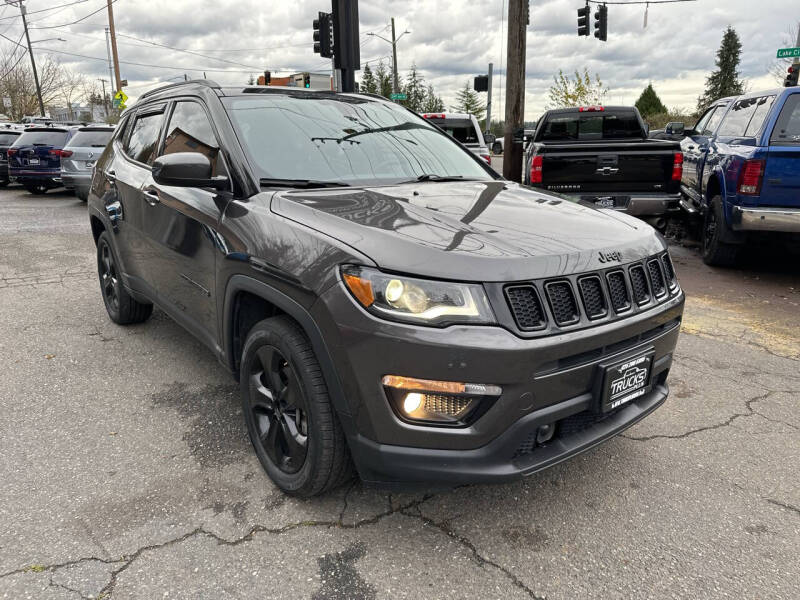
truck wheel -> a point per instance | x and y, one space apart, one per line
715 251
120 305
497 148
291 423
37 188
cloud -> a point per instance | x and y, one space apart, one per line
450 42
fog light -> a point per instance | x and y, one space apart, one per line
412 402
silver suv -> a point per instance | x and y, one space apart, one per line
463 128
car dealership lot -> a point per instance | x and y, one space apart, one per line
126 470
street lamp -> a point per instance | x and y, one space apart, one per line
393 42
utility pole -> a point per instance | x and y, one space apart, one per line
489 101
33 60
105 100
515 88
113 36
395 81
110 68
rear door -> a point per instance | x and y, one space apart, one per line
181 225
781 183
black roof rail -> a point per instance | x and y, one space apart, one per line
204 82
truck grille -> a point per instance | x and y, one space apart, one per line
526 307
562 302
637 288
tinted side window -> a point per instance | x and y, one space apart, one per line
787 129
189 130
698 127
143 138
713 121
763 105
738 117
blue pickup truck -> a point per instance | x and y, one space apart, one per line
741 171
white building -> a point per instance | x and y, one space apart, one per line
97 112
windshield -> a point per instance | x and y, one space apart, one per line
87 139
575 126
6 139
459 129
46 138
344 139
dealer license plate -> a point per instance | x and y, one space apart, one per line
626 381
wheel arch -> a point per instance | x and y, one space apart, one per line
244 292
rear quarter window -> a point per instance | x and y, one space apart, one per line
787 128
763 107
6 139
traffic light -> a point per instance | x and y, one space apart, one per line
306 80
323 35
481 83
601 23
583 20
267 77
791 78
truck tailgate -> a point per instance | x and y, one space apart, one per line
781 183
641 166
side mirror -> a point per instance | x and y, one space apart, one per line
186 169
675 128
646 129
489 138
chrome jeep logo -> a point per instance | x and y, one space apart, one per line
605 257
631 379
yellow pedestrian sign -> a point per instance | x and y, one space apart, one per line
119 99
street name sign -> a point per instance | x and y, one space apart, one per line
789 53
398 96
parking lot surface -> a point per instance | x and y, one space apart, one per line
127 473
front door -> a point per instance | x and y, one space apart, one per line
181 226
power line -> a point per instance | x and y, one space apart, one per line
77 20
189 52
21 56
638 2
41 10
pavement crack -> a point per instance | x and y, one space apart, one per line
750 412
789 507
481 560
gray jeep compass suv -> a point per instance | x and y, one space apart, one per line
386 300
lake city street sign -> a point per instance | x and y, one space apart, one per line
789 53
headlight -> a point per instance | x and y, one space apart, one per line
417 300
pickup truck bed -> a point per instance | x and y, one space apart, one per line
621 168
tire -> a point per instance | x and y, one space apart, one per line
291 423
38 189
4 183
716 252
82 194
120 305
497 148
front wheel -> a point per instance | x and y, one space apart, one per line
291 423
715 251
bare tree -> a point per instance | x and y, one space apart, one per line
780 66
17 83
70 88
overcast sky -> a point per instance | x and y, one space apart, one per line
450 41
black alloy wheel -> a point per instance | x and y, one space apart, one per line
279 410
109 282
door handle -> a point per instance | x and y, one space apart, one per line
151 196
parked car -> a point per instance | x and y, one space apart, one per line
34 160
601 154
463 128
742 171
382 296
498 143
7 138
79 156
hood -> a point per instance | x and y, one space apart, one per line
471 230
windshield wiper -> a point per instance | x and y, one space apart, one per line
434 177
301 183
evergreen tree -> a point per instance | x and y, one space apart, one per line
469 102
251 81
369 84
432 103
414 90
383 80
649 103
725 80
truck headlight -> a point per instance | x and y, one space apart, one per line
417 300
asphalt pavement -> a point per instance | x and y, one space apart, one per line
126 470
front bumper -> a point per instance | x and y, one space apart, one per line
543 379
785 220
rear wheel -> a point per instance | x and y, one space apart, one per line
715 251
291 423
497 148
37 188
4 182
82 194
120 305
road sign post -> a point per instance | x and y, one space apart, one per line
789 53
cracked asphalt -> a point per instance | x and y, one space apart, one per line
126 472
